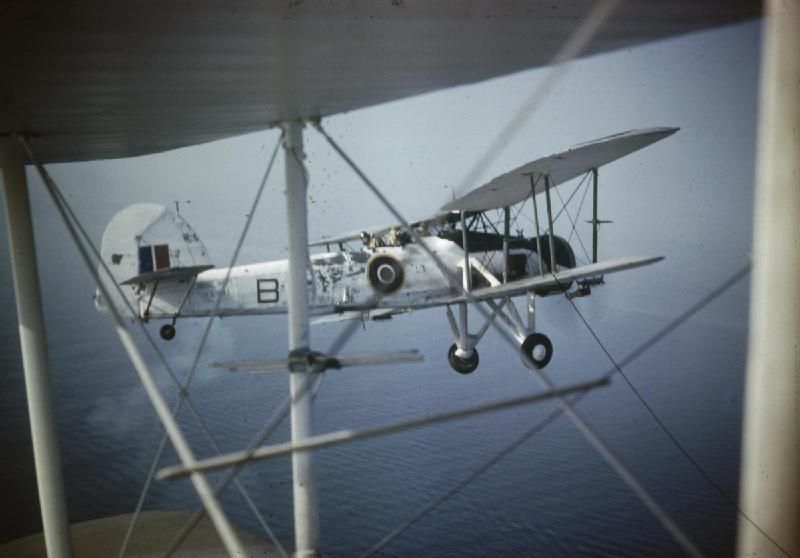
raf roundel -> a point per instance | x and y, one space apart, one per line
385 274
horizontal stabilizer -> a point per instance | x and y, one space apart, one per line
376 314
549 281
174 273
325 362
146 242
514 186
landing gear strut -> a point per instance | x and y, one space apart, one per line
538 347
167 332
462 365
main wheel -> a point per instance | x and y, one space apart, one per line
167 332
460 364
538 348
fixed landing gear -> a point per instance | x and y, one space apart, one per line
538 347
167 332
462 365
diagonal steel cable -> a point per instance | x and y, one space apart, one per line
573 223
578 421
184 386
226 532
549 419
571 49
569 199
183 393
580 207
339 437
617 368
314 383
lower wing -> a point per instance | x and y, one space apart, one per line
561 279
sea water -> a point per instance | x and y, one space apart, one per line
554 495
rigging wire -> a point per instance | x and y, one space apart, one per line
563 205
653 340
573 223
224 528
572 48
617 368
569 199
519 212
182 389
580 206
591 436
314 383
184 386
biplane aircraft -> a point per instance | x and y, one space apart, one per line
157 254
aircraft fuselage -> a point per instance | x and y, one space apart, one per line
337 282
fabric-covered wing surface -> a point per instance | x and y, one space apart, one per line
95 80
564 277
514 186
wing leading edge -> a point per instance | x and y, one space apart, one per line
522 286
514 186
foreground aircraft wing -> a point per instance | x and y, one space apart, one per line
564 277
118 79
515 185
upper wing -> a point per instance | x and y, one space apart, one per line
564 277
515 186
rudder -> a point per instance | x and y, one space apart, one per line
147 238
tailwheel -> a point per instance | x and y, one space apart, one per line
462 365
539 348
167 332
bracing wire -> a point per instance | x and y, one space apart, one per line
578 421
580 207
541 425
563 204
313 382
184 386
183 394
519 212
569 199
226 532
572 47
339 437
573 223
182 391
617 368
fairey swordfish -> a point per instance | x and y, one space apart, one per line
375 274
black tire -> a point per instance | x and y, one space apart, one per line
529 346
167 332
385 274
462 365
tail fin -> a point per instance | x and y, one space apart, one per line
145 240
